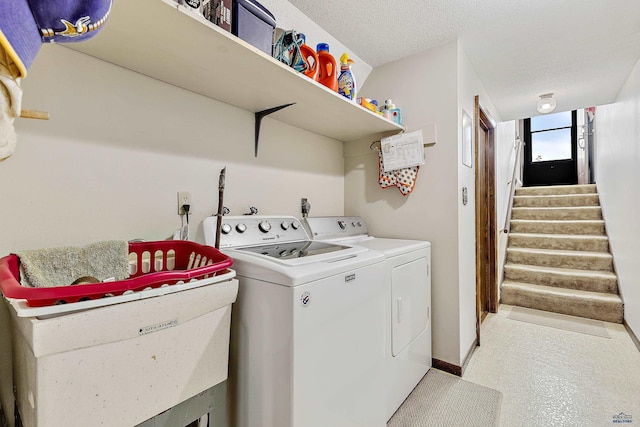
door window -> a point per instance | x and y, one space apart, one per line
551 137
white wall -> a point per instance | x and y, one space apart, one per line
119 146
618 176
469 85
424 87
506 156
431 88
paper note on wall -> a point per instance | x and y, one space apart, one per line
402 151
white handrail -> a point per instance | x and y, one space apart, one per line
512 185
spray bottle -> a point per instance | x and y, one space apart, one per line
346 81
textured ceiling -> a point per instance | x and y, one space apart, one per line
581 50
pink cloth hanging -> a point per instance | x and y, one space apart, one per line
404 179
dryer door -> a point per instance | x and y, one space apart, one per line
410 302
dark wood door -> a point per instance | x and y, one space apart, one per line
551 150
488 257
486 218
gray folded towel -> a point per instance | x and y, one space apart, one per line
45 268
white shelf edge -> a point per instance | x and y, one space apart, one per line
318 109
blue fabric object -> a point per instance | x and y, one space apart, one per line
26 24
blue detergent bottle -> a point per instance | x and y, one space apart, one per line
346 80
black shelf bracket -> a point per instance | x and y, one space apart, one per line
260 115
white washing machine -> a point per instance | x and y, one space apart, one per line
307 338
408 300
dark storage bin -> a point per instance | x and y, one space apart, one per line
253 24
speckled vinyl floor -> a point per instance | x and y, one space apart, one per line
554 377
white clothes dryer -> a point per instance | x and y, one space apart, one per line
408 300
307 338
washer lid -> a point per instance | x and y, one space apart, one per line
393 247
294 250
327 261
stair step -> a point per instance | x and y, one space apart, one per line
593 305
557 200
559 213
567 259
584 280
570 242
590 227
556 189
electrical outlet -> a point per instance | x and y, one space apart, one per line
184 198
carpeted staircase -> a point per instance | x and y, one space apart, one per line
558 256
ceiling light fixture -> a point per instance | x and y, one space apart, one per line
546 104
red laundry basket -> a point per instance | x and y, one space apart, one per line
160 263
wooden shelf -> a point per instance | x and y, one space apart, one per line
160 39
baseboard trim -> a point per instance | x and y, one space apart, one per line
447 367
455 369
633 336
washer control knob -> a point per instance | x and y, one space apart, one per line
264 226
284 253
226 229
295 225
359 223
342 224
284 225
241 228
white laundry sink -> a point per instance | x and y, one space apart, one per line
121 364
